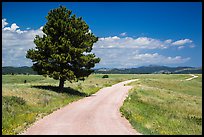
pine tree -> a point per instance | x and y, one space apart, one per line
64 50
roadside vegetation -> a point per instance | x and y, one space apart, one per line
27 98
165 105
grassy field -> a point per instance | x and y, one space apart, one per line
157 104
24 103
165 104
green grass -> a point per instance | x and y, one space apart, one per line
158 104
165 104
24 103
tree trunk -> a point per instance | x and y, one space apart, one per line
61 85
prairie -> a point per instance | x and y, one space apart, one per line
24 103
157 103
165 105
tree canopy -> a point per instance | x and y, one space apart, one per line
64 50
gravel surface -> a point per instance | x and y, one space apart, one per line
97 114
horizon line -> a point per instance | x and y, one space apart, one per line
124 67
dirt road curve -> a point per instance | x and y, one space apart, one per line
95 115
193 76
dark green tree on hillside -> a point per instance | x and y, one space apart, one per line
64 50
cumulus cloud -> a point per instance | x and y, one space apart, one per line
114 51
12 28
129 52
123 34
168 41
139 43
15 43
155 58
4 23
19 31
89 31
182 42
180 47
41 27
129 42
127 58
108 39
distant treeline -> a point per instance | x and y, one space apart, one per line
152 70
18 70
140 70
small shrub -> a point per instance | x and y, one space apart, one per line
105 76
45 100
80 87
18 100
13 100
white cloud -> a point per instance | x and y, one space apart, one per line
155 58
41 27
168 41
180 47
140 43
15 43
113 51
109 39
127 58
123 34
12 28
129 42
19 31
182 42
89 31
129 52
4 23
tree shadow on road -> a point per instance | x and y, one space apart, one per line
67 90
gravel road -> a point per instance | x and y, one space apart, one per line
97 114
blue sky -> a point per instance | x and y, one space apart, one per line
130 34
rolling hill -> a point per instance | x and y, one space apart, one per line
151 69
